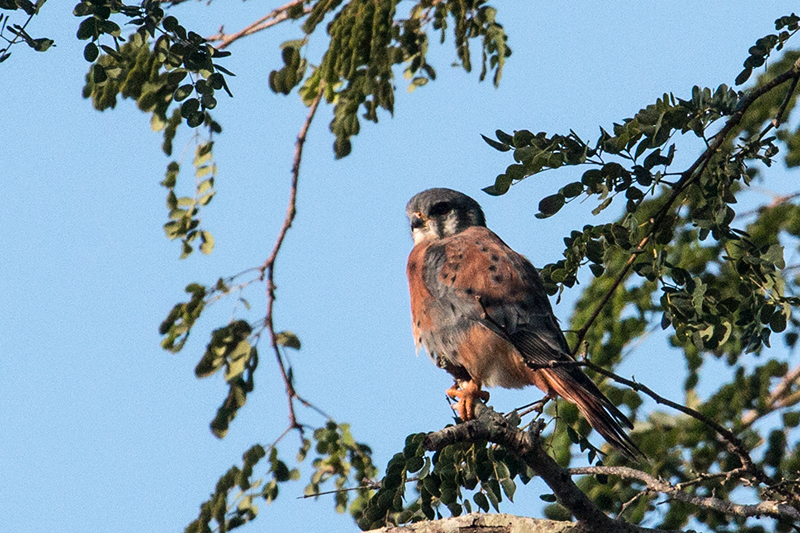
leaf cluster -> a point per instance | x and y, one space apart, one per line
179 73
445 479
367 40
759 52
151 77
339 458
231 347
19 32
184 211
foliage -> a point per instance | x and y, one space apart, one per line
338 457
441 481
19 31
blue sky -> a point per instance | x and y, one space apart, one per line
103 430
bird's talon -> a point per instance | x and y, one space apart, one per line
467 396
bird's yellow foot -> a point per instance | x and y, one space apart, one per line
467 395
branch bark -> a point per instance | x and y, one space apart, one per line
485 523
766 508
780 397
495 428
272 18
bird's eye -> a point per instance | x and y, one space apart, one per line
440 209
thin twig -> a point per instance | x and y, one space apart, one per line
17 33
766 508
629 503
268 268
366 484
779 397
778 200
778 120
705 477
274 17
687 177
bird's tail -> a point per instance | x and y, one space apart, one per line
575 387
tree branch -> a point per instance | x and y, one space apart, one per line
495 428
765 508
781 396
485 523
268 268
274 17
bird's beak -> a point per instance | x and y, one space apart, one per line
417 221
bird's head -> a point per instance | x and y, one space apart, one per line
438 213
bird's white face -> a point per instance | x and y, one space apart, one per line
430 228
421 228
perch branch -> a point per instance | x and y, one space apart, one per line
495 428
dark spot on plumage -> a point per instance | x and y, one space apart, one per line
492 268
412 267
498 278
484 249
478 243
495 257
419 340
453 308
455 266
418 323
469 292
453 279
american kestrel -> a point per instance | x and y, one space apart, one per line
481 312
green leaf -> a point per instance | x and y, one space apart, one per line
775 256
550 205
237 360
288 339
207 242
509 487
791 419
99 73
90 52
481 501
195 119
170 24
605 203
501 185
88 29
183 92
502 147
572 190
189 107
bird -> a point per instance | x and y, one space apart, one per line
480 311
